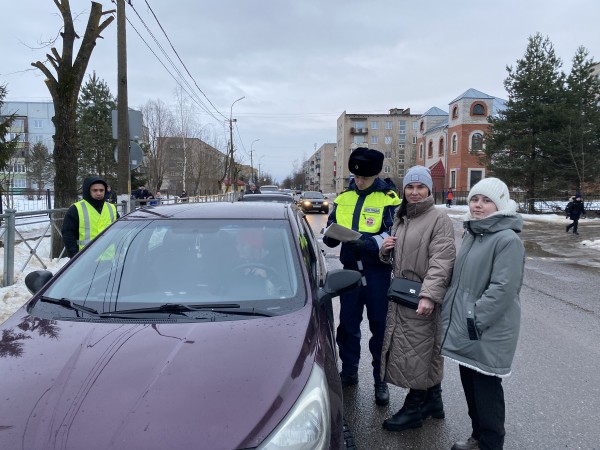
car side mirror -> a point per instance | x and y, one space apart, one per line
337 282
37 279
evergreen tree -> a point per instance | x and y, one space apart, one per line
96 154
521 145
7 146
581 134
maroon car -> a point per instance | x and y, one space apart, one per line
205 325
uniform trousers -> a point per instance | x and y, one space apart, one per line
485 402
373 296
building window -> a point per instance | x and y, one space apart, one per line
386 169
453 179
478 109
401 146
402 138
38 123
454 143
477 142
19 183
421 126
37 138
359 125
388 124
430 150
402 126
415 125
475 176
421 155
441 147
374 140
359 139
388 139
374 125
455 112
414 140
388 154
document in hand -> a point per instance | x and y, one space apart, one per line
341 233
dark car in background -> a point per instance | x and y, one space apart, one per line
267 197
313 201
203 325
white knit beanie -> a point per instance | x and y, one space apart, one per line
418 174
497 191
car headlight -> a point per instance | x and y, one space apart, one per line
308 424
325 203
306 203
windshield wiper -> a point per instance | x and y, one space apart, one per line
177 308
223 308
69 304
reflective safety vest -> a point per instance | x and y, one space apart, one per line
369 218
91 223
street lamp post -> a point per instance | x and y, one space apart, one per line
251 165
231 162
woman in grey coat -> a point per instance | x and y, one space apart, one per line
422 240
482 311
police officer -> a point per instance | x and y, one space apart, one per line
367 206
86 218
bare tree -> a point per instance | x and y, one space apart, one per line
64 86
160 123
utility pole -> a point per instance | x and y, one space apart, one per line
231 154
251 165
123 172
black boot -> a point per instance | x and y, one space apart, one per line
433 405
409 415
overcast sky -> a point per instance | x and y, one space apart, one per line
300 64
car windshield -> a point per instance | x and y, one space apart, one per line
312 195
144 263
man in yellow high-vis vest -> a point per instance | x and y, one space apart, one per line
88 217
367 206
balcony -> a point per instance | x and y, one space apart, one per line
358 130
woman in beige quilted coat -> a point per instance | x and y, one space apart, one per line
422 241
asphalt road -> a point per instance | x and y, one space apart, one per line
553 395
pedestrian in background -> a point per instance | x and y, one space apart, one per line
184 196
367 206
574 210
88 217
482 310
110 195
423 249
449 198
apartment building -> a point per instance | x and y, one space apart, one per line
394 134
320 169
32 124
202 163
451 143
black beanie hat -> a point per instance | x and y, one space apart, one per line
365 162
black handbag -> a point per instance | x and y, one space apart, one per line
403 291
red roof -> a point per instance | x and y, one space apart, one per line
437 170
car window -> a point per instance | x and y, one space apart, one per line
153 262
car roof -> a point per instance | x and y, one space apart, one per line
213 210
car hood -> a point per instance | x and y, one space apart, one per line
73 385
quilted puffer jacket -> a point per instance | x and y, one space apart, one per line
425 249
